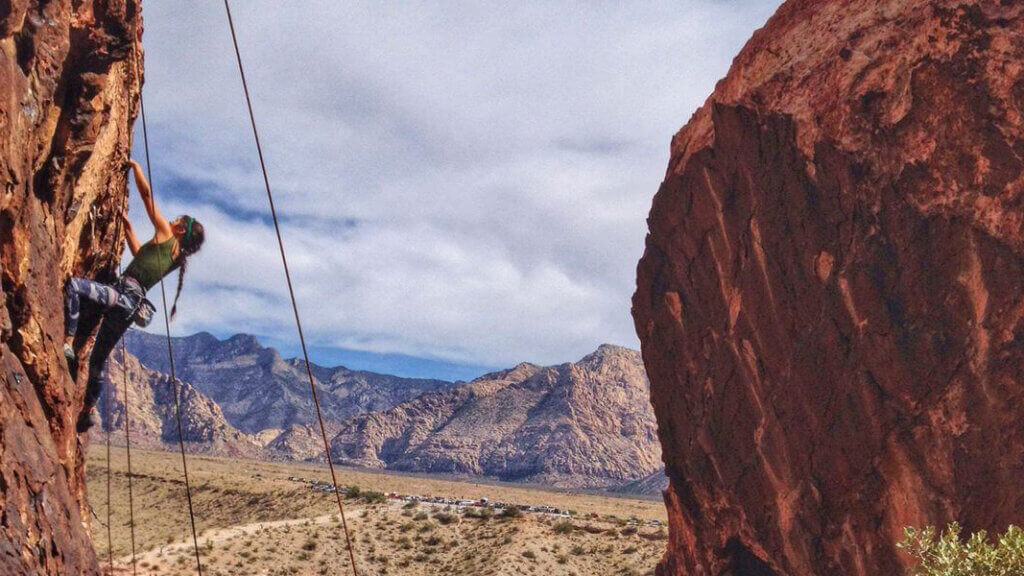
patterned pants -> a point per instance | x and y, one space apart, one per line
118 305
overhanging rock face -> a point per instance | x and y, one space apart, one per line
67 103
830 301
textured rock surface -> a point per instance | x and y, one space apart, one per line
830 299
67 102
654 484
301 442
583 424
258 390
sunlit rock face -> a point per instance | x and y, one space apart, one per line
585 424
830 299
67 102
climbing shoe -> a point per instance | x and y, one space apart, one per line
85 421
69 355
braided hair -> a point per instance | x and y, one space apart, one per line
188 244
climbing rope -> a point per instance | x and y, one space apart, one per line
291 291
124 372
127 424
127 437
128 450
110 539
170 356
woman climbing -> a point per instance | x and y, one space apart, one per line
124 301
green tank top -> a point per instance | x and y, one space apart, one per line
153 262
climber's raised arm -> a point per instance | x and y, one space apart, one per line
129 235
162 226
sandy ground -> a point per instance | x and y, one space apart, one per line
253 520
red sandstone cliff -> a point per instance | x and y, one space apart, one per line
67 102
830 301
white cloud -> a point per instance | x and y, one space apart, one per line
459 181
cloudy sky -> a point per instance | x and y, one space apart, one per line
463 185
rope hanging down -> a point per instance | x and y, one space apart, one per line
170 357
291 291
110 539
124 348
119 229
127 438
128 450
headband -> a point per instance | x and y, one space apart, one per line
188 228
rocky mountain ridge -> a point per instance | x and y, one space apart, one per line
151 412
258 390
586 424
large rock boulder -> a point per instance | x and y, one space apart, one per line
830 301
67 102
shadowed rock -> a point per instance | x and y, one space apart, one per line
830 300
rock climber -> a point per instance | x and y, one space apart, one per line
125 301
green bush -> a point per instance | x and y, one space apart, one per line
949 555
445 518
564 527
371 497
511 512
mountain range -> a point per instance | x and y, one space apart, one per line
581 424
585 424
258 390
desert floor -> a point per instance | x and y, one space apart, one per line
252 519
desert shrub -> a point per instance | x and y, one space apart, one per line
420 516
658 534
511 512
564 527
445 518
309 545
411 504
371 497
529 554
353 491
950 555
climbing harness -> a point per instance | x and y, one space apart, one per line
291 291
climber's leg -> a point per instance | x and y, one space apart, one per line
78 288
115 322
